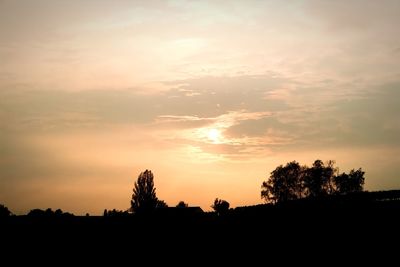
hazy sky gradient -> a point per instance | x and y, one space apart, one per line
209 95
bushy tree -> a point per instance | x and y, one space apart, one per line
182 204
293 181
349 183
318 179
284 183
220 206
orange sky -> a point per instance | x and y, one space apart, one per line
209 95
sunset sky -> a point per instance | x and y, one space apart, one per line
209 95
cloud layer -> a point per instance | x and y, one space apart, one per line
210 95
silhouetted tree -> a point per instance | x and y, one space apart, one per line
284 183
115 213
348 183
294 181
4 211
318 180
58 212
182 204
36 213
220 206
49 213
331 172
144 197
161 204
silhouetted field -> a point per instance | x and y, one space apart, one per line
354 222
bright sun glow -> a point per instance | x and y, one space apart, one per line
214 135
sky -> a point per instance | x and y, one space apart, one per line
210 95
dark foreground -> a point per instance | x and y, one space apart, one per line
335 228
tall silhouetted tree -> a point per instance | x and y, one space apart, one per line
348 183
318 180
182 204
284 183
144 197
220 206
4 211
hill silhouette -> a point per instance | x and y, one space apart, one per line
293 223
349 224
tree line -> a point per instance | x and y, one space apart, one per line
290 182
294 181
